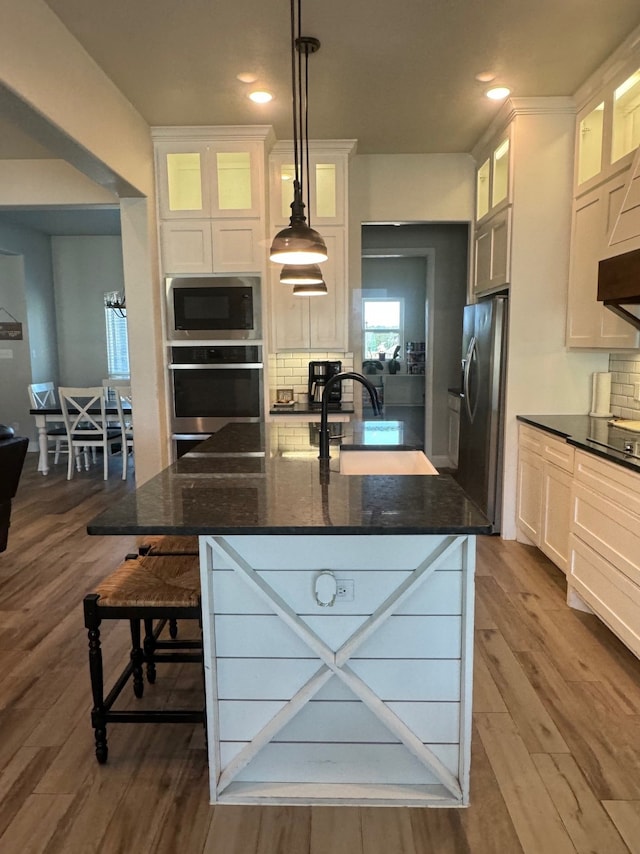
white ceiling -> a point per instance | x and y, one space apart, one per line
397 77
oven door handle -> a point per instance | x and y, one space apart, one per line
242 366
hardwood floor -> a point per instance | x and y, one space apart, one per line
556 748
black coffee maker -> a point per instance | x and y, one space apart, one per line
319 373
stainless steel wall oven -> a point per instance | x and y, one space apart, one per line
214 385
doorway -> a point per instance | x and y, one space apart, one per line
425 268
394 303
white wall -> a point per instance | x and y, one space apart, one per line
84 268
48 182
50 71
30 299
407 188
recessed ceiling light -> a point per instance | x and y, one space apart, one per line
498 93
247 77
261 97
485 76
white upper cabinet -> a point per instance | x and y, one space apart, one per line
328 176
211 198
493 216
319 322
217 178
606 205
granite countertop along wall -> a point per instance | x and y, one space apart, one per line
582 430
266 479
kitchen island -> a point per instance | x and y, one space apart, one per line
337 616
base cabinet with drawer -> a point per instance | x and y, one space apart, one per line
604 567
545 470
364 699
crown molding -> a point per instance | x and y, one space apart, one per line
515 106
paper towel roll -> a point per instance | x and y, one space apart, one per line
601 395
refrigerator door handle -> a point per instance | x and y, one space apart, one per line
471 355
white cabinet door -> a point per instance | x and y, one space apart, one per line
211 246
529 495
589 323
313 322
237 245
186 246
492 263
183 191
556 513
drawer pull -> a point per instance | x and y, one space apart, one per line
326 588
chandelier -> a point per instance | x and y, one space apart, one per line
116 300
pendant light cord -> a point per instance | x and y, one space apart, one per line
300 99
306 132
296 178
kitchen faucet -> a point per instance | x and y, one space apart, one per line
324 415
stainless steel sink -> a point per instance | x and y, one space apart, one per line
391 462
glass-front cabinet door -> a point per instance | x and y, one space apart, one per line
590 137
492 180
208 180
625 136
482 189
182 190
327 202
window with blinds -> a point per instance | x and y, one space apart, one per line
117 344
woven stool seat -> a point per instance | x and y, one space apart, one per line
153 591
169 545
148 582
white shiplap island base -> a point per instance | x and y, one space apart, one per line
366 701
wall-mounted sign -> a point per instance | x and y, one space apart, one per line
10 331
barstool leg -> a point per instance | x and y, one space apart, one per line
149 649
98 719
137 657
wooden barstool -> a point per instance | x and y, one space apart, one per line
154 590
167 544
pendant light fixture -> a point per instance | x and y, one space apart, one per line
315 290
301 274
299 244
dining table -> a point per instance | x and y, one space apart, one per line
49 415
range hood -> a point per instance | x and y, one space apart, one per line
619 285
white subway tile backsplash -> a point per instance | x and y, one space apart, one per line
625 370
290 370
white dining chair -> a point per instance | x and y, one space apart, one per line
123 405
85 419
43 396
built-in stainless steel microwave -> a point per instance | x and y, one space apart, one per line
213 308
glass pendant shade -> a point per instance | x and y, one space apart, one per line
298 244
310 290
299 274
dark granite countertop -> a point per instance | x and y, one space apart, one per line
590 434
266 479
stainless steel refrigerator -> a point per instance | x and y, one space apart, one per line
484 351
